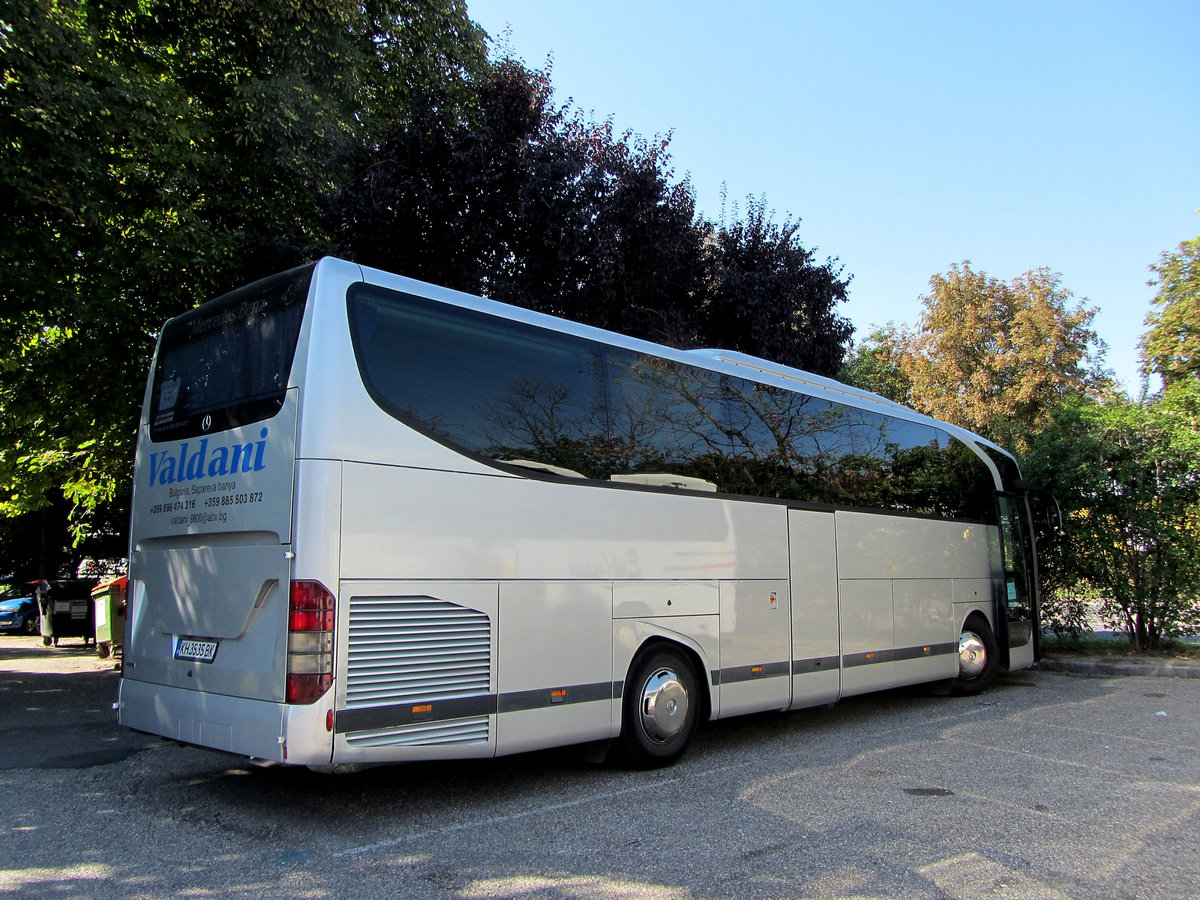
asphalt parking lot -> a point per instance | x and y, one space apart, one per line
1050 785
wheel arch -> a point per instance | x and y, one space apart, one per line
990 614
703 673
983 647
697 637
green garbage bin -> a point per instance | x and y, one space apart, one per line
65 609
109 598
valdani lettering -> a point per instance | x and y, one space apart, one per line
196 460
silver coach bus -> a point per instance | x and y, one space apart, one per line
376 520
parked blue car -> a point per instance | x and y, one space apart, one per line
18 610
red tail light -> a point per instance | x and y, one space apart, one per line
311 615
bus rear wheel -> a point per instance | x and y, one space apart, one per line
660 707
978 656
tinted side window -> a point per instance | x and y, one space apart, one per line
1007 466
520 394
784 442
798 447
498 388
942 477
665 417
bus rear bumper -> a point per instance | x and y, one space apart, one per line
257 729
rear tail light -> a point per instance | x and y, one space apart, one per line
310 642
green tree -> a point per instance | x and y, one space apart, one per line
873 364
1171 345
155 154
999 357
1128 477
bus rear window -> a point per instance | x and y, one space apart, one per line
226 363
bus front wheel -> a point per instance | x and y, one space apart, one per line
978 656
660 707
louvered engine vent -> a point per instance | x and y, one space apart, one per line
409 649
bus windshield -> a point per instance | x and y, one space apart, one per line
226 363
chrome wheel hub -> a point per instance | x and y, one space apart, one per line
664 705
972 654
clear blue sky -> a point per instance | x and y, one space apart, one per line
909 136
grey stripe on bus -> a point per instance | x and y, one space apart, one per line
374 718
379 717
850 660
392 716
817 664
517 701
734 674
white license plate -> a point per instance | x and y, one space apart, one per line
199 651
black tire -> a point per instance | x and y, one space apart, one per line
46 642
661 707
103 649
32 626
978 656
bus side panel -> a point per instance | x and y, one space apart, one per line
652 599
816 647
866 634
555 664
405 523
899 623
755 646
884 546
926 631
1021 657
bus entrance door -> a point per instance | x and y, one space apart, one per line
1017 615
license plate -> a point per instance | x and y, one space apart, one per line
197 651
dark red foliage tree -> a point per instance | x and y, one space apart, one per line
533 205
